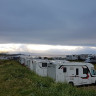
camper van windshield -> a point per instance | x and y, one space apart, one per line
93 72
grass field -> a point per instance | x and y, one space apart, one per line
17 80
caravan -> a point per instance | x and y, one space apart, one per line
40 67
72 72
22 60
37 65
71 57
29 63
91 59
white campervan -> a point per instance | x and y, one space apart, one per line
39 66
72 72
22 60
29 63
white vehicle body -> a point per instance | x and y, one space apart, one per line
72 57
75 73
39 66
29 63
91 59
82 56
22 60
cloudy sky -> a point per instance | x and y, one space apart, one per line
48 26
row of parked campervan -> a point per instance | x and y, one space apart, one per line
62 71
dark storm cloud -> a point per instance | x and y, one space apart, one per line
66 22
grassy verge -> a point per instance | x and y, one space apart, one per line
17 80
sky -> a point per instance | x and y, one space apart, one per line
46 24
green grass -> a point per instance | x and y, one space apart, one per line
17 80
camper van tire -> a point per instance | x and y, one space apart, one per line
71 83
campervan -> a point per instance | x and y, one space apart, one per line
29 63
71 57
91 59
40 67
22 60
72 72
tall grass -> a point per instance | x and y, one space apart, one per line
17 80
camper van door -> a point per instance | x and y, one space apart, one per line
73 74
44 65
77 73
62 73
85 75
65 71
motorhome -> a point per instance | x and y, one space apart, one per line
91 59
83 56
71 57
40 67
72 72
22 60
29 63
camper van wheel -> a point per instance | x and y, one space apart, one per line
71 83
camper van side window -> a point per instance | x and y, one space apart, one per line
77 71
44 64
64 69
85 70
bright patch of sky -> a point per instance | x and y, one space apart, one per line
46 49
